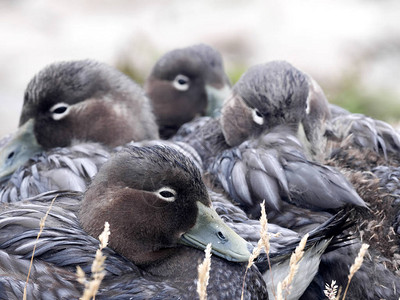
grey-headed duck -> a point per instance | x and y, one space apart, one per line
186 83
272 94
71 103
255 152
158 209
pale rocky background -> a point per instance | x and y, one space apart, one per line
351 47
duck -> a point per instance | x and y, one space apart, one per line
186 83
254 150
141 183
72 111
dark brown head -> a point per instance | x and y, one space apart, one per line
186 83
79 101
153 198
148 195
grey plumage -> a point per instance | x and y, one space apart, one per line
69 168
366 133
274 168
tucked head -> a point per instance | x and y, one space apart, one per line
153 198
265 96
186 83
78 101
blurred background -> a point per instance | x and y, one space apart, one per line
351 47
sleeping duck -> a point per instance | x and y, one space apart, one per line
254 151
135 186
72 105
186 83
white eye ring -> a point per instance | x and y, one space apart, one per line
181 82
166 194
257 116
59 111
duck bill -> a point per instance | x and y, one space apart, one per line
215 98
21 146
210 228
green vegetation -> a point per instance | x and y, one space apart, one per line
378 104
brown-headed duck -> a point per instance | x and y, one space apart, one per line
72 104
159 211
186 83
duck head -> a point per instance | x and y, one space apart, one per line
154 199
268 95
78 101
186 83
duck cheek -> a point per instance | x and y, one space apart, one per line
236 121
52 133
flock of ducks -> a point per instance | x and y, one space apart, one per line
186 161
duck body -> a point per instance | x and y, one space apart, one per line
363 132
274 167
70 168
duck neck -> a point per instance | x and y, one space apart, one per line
178 264
148 258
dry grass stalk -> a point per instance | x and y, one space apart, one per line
263 242
41 226
356 265
204 274
297 255
279 293
339 293
331 290
98 273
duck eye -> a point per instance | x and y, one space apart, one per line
166 194
59 111
181 82
257 117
